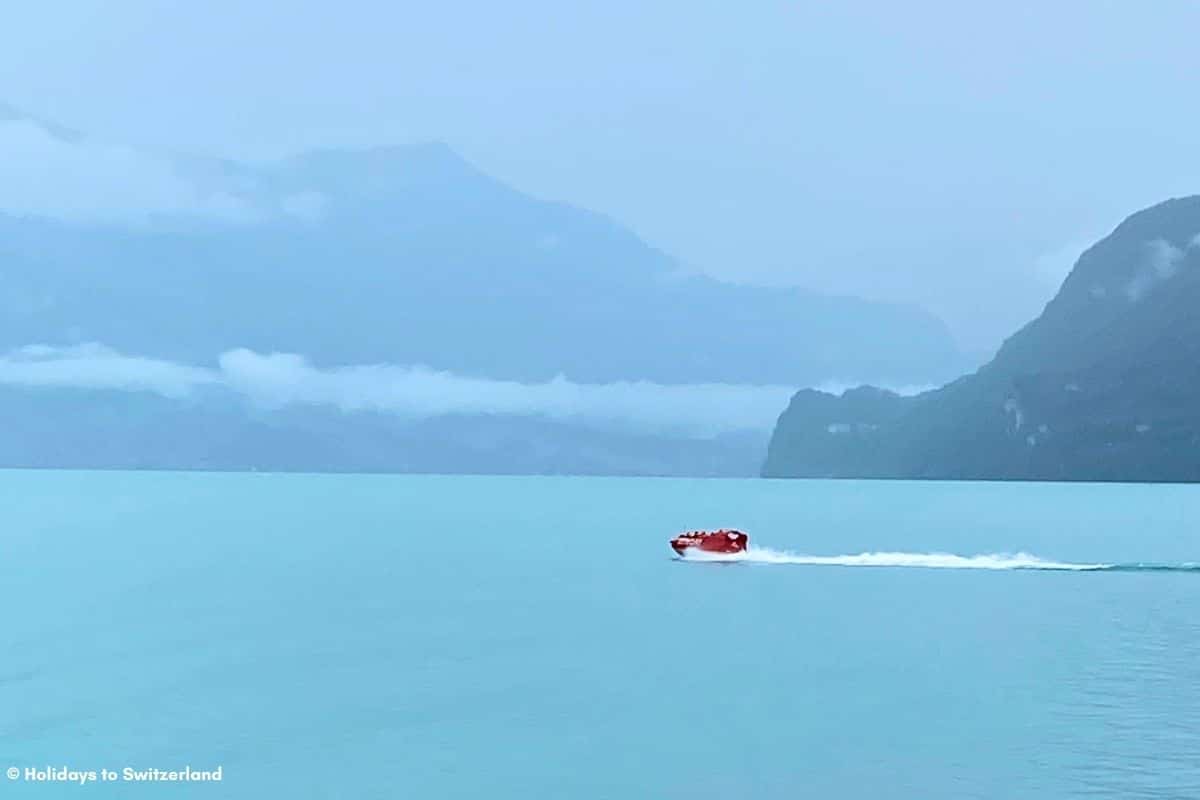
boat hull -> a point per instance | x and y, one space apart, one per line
723 542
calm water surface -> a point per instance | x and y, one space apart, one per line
451 637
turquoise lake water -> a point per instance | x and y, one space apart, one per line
476 637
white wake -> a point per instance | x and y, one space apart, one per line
995 561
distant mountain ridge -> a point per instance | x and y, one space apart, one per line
392 255
1104 385
411 255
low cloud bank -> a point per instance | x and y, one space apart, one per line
93 366
414 391
278 380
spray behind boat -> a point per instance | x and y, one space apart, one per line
725 540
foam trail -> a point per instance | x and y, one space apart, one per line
990 561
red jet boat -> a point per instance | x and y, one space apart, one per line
722 541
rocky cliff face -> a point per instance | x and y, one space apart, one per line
1104 385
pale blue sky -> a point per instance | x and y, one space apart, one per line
949 154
